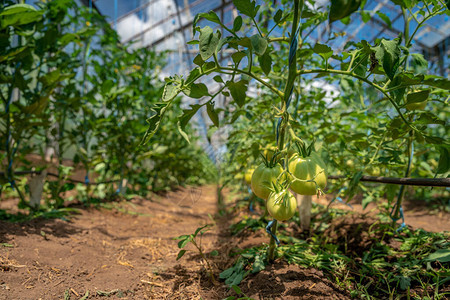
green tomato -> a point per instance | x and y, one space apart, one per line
373 171
282 205
262 179
309 168
248 175
350 163
416 105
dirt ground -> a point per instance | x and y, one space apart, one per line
128 252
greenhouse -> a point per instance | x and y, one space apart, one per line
224 149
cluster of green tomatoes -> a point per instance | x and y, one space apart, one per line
304 174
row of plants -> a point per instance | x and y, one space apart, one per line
68 84
387 117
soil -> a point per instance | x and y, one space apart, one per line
128 252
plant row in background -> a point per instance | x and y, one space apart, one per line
68 84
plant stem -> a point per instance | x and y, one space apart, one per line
290 82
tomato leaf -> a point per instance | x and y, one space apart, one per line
185 118
259 44
440 255
154 122
238 91
19 14
385 19
212 114
266 62
246 7
342 8
323 50
198 60
237 24
278 16
238 56
208 42
388 54
171 90
196 90
444 160
417 96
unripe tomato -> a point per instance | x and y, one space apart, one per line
311 167
248 175
262 179
350 163
374 171
281 205
269 152
416 105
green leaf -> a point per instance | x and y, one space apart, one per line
208 42
19 14
154 122
441 255
365 16
266 63
212 114
444 160
238 91
198 60
196 90
218 79
181 253
246 7
214 253
353 185
342 8
237 289
238 56
185 118
323 50
183 243
259 44
419 63
278 16
388 54
417 96
171 90
237 24
385 19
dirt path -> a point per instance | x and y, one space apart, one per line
131 252
128 252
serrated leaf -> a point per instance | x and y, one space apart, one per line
385 18
208 42
417 96
237 23
154 121
259 44
171 90
246 7
181 253
388 54
323 50
238 91
212 114
185 118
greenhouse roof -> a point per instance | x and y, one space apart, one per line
159 24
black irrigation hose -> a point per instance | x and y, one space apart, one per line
445 182
403 181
